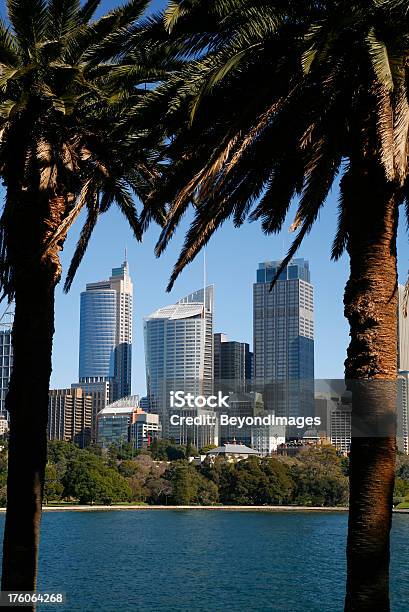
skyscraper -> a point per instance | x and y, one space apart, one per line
283 322
179 351
106 333
403 332
6 356
402 417
233 364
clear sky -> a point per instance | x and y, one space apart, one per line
232 259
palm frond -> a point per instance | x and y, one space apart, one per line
8 48
379 56
62 17
401 132
82 244
126 205
29 21
341 237
384 124
87 11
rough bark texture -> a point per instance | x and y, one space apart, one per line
371 370
36 272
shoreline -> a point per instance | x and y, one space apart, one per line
101 508
98 508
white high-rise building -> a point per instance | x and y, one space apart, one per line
106 333
179 353
402 433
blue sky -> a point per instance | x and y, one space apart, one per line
232 259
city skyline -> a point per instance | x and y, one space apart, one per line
229 267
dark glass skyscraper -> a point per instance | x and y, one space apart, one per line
283 322
233 364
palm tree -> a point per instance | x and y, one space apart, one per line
69 141
277 101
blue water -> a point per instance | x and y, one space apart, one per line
198 561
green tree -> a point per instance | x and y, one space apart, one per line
166 450
279 100
53 488
401 488
91 482
66 146
191 451
189 486
121 451
184 483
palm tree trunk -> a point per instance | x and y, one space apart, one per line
371 370
36 270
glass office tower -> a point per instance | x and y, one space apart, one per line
233 364
179 351
283 322
106 333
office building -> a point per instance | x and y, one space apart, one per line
6 364
233 365
70 416
325 403
402 433
179 352
335 413
196 426
341 425
257 432
6 356
144 403
100 394
115 419
283 322
403 331
106 333
144 429
241 405
4 426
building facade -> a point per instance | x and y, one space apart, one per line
402 433
4 426
179 352
233 365
6 364
70 416
115 420
403 332
283 332
100 394
144 429
106 333
341 426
